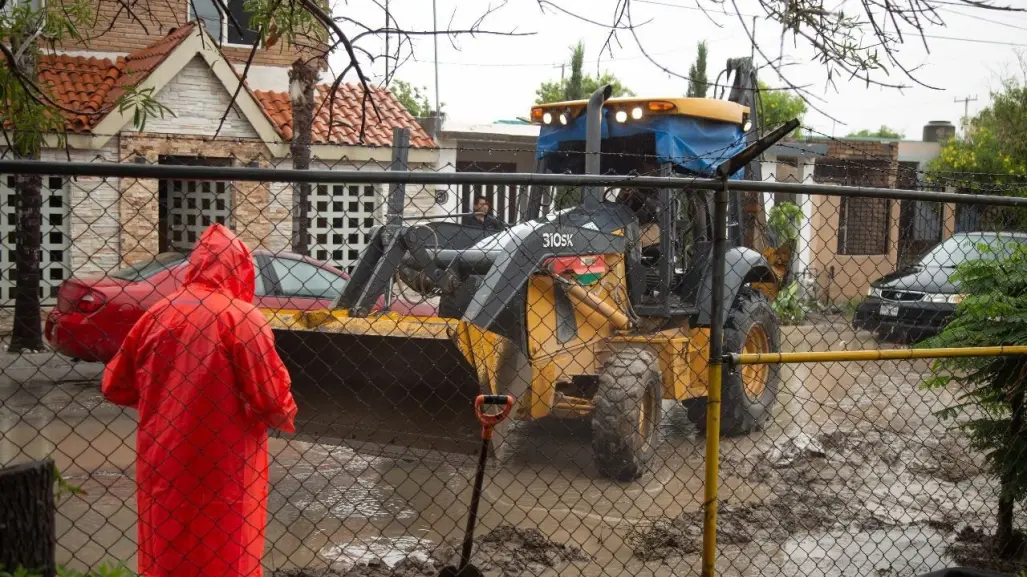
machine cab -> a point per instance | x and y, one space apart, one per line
650 137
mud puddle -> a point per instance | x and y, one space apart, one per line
504 551
831 490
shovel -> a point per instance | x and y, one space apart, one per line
488 422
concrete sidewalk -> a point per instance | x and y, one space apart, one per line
45 367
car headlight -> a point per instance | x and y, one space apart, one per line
942 298
874 292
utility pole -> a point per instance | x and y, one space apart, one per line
966 107
435 35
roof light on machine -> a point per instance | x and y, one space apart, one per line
626 110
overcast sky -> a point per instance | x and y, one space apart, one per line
487 78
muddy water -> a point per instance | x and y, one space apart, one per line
859 440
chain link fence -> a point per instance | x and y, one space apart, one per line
597 322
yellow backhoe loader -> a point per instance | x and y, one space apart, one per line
598 311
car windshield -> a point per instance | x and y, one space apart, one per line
965 247
144 269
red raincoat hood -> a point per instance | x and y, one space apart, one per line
220 261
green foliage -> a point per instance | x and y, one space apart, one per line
19 572
143 104
30 108
993 145
275 20
64 488
779 106
28 114
883 132
578 86
784 220
992 312
788 306
104 570
413 98
697 82
991 154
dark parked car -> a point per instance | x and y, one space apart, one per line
916 302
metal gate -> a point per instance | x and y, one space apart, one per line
194 205
502 200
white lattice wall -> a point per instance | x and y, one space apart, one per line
343 214
341 219
55 260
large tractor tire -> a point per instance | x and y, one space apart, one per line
628 410
748 392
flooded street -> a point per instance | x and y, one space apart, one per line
855 476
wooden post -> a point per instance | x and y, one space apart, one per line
28 533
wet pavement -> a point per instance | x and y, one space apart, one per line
854 476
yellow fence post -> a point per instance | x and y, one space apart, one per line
710 486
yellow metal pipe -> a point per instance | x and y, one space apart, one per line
618 318
871 355
709 536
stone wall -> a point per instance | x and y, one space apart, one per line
95 214
199 101
253 216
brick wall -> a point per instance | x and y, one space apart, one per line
118 31
859 163
198 101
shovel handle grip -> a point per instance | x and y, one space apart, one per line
489 420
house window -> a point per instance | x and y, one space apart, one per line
863 226
219 26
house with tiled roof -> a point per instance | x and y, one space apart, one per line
193 67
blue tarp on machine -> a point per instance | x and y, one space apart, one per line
697 145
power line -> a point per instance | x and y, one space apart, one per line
977 41
982 19
937 37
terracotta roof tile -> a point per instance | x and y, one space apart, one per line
78 83
139 64
95 84
348 105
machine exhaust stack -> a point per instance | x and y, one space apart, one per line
592 195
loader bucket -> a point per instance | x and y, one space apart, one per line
387 380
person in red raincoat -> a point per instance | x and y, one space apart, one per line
201 368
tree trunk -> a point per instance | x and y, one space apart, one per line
27 334
28 534
1007 542
302 81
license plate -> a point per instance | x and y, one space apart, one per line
889 310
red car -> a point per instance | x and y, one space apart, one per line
94 314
